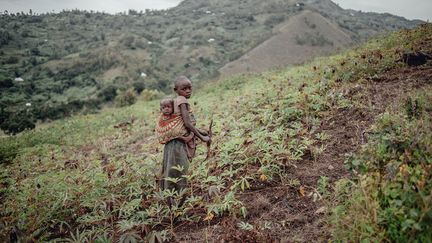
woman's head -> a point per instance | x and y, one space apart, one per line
183 86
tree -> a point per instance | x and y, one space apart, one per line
5 82
132 12
5 37
139 86
13 123
35 51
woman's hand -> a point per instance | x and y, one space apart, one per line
205 138
204 132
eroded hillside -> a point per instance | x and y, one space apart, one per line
295 41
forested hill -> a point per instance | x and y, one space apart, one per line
53 65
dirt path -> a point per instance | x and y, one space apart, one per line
281 213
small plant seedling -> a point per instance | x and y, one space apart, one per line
323 184
266 225
245 226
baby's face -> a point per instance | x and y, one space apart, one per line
166 107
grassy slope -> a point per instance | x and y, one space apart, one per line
85 178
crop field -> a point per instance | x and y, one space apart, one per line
337 149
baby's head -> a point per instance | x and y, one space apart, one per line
167 106
183 86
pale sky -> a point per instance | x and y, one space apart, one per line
108 6
411 9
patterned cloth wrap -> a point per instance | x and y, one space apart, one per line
170 127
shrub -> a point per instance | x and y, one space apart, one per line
33 61
315 39
108 93
392 201
126 98
140 44
35 51
8 151
128 41
12 60
274 20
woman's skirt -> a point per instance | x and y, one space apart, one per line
175 165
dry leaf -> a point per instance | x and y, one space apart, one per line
321 210
209 217
302 191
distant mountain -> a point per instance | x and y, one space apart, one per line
77 60
301 37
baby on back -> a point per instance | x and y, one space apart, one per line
170 125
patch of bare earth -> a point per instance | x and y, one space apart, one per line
290 214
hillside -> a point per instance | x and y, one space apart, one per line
336 149
297 40
78 61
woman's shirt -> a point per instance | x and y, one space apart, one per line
182 100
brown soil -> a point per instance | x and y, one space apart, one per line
295 217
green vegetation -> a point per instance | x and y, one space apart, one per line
391 198
78 61
126 98
315 39
92 177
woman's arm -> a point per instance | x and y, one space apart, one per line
188 123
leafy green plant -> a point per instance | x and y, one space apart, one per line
266 225
245 226
243 183
323 183
157 236
130 237
77 236
228 204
